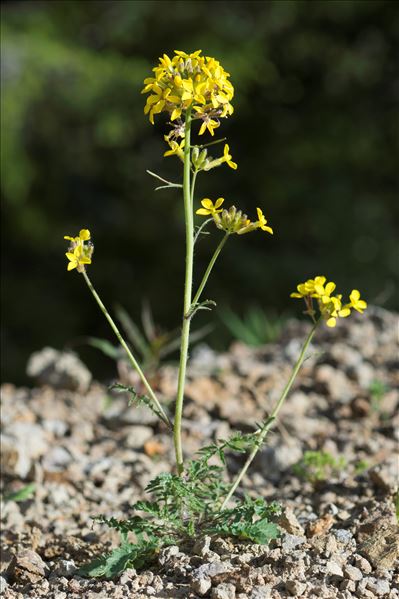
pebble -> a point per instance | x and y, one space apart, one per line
212 569
200 585
289 542
261 592
334 383
127 576
379 586
295 587
352 573
348 585
362 564
334 569
224 590
23 443
3 584
343 536
65 568
289 522
26 567
60 370
138 436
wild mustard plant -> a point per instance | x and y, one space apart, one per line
196 94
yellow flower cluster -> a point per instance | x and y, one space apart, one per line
189 81
80 250
232 220
330 306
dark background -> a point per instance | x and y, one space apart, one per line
314 133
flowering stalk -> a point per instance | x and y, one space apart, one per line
188 193
132 359
270 420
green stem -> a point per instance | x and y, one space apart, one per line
188 284
132 359
270 420
201 228
195 173
208 270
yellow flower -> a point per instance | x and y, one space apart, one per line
330 306
189 81
227 157
79 253
210 208
77 259
331 309
309 288
175 148
209 124
84 235
356 303
262 222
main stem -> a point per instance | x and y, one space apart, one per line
132 359
188 284
269 422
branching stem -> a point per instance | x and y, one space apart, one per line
270 420
132 359
208 270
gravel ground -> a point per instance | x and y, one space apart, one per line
88 453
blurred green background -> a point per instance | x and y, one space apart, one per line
313 134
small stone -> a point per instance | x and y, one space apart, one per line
56 459
74 586
379 586
320 526
288 521
138 436
348 585
212 569
65 568
352 573
261 591
166 555
23 443
26 567
334 569
61 370
343 536
334 383
200 585
363 564
202 546
385 475
127 575
3 584
225 590
280 458
289 542
295 587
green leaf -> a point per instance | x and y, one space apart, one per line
125 556
22 494
112 351
136 338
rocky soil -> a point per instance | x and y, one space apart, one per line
88 453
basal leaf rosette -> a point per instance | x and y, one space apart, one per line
189 81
